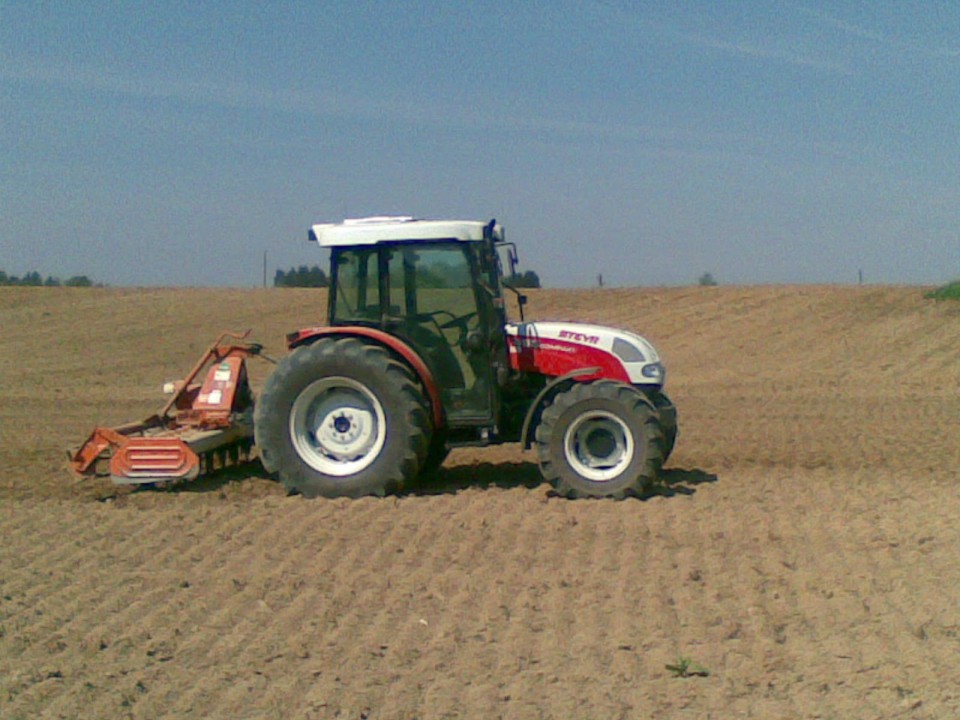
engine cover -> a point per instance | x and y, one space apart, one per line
557 348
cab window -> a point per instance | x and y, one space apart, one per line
358 291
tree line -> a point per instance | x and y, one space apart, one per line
35 279
305 276
528 279
302 276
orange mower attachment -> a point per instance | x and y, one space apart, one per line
204 425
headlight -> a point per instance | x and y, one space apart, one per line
654 371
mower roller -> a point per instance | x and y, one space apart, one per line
202 427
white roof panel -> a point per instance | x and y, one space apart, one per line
373 230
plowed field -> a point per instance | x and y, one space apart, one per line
804 561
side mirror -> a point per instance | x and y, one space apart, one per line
514 260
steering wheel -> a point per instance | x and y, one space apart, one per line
458 323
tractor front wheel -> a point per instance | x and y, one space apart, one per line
341 417
600 439
668 421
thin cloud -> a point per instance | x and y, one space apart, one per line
664 141
98 79
313 102
766 53
773 50
848 27
880 38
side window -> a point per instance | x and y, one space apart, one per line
358 292
444 282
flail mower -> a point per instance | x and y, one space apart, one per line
205 425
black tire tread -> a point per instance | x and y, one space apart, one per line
634 403
343 356
670 431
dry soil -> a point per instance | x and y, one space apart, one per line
804 561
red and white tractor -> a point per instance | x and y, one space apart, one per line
417 356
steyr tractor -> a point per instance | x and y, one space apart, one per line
417 356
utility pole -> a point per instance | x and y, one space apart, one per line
264 268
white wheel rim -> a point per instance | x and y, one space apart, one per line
337 426
598 446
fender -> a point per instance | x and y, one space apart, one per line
580 375
538 401
309 335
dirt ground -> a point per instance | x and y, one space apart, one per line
804 561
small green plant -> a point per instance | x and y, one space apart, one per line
684 667
950 291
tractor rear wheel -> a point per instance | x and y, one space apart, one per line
436 454
341 417
600 439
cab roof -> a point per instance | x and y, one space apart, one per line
373 230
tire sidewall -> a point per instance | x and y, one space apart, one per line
626 480
273 422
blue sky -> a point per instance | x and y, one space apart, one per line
172 143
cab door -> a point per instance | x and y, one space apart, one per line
435 304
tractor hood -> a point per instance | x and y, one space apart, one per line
567 346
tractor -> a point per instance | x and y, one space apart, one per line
417 357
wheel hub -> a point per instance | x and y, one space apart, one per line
337 426
345 432
599 446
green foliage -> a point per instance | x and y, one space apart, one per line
950 291
707 280
302 276
34 279
684 667
430 277
528 279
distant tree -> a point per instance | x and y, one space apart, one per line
34 279
950 291
302 276
707 280
528 279
432 276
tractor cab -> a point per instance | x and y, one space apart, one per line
435 285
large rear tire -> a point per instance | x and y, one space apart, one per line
436 454
600 439
341 417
